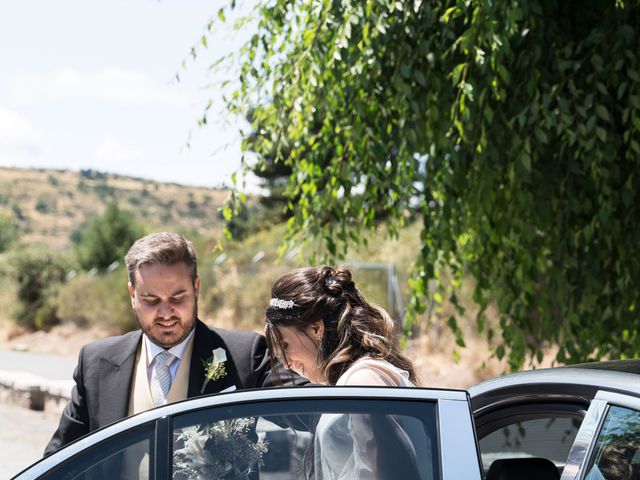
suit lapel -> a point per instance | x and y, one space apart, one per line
204 342
116 370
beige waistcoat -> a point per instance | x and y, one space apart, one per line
140 398
136 458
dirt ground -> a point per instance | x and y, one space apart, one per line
63 340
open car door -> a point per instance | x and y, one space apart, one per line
283 433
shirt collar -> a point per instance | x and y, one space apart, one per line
176 350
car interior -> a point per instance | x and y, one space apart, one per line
523 469
528 440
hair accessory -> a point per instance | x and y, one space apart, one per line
282 304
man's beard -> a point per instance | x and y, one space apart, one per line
184 335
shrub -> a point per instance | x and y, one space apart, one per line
17 212
97 300
104 190
38 272
107 238
46 316
134 200
8 232
45 205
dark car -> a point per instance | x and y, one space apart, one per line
579 423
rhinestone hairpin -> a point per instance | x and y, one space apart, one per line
283 304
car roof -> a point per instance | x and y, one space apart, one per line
575 383
631 365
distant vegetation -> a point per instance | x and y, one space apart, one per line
39 273
65 264
63 236
47 277
47 206
106 238
8 232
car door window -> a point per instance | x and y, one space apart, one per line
128 455
528 433
617 451
308 439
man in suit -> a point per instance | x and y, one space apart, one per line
169 357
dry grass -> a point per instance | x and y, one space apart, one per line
49 204
433 357
433 349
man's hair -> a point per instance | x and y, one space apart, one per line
163 248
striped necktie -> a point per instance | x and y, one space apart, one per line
162 375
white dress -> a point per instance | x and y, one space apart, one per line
344 444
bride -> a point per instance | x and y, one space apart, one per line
319 325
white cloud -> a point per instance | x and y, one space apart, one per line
113 85
17 135
114 154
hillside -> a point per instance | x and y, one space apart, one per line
49 205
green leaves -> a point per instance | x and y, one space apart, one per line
603 113
519 157
107 238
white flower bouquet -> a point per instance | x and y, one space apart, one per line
225 450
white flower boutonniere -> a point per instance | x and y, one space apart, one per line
214 367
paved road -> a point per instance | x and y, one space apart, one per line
47 366
23 436
24 433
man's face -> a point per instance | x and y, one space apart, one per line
165 302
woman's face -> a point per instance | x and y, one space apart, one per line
300 349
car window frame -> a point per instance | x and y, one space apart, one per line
523 409
501 417
304 407
451 407
108 443
586 440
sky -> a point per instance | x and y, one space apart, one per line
91 84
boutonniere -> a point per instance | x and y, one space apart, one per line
214 367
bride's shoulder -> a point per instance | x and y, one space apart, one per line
374 371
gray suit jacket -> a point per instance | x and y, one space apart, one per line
105 368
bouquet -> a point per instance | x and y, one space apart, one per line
227 449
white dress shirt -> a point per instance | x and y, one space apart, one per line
176 350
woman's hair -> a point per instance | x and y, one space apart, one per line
353 327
